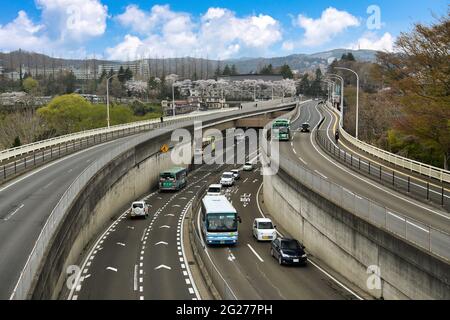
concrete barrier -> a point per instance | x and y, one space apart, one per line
110 191
352 246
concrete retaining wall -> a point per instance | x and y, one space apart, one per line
110 192
350 245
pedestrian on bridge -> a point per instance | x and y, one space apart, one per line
336 136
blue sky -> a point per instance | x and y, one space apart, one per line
132 29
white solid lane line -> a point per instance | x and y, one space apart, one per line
314 264
9 216
320 174
255 253
369 182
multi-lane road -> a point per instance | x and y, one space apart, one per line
145 259
251 272
305 149
27 201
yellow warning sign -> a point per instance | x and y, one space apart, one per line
164 148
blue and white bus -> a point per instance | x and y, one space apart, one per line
219 221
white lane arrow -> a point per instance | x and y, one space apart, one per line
163 266
161 242
170 214
165 226
112 269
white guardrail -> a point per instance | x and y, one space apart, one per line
28 148
422 235
399 161
25 149
27 275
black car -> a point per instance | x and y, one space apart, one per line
305 127
288 251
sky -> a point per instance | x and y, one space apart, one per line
133 29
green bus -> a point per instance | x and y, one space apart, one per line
173 179
281 129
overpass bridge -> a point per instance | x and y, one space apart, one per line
313 182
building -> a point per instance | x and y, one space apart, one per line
85 73
243 77
140 69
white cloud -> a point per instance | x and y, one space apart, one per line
219 33
22 33
74 19
288 45
321 30
371 42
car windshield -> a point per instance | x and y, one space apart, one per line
221 222
138 205
283 130
227 175
265 225
290 245
214 190
248 164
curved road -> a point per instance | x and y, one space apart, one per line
304 149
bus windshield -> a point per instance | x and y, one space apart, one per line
167 175
221 222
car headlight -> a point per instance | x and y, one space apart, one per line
304 255
284 255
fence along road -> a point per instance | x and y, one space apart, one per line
396 160
303 160
33 205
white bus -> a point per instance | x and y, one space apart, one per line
219 221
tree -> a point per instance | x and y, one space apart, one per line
68 80
121 75
226 71
103 76
31 86
419 76
218 72
286 72
16 143
128 75
304 86
267 70
233 70
348 57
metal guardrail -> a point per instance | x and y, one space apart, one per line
428 238
39 153
33 262
397 181
222 287
18 151
424 236
399 161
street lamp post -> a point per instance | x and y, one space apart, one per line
107 99
173 98
330 84
357 97
342 94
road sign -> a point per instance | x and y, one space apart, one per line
164 148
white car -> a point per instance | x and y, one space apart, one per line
139 209
248 166
264 230
214 190
236 174
227 179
